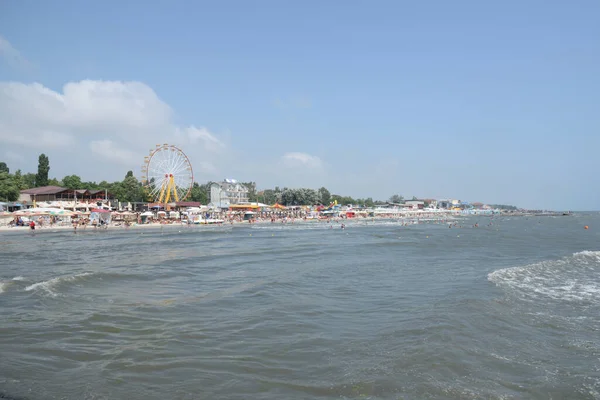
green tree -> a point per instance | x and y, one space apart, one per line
104 185
368 202
92 185
54 182
29 180
41 178
288 197
268 196
9 191
18 179
73 182
117 190
4 167
299 197
396 199
199 193
324 196
130 189
310 197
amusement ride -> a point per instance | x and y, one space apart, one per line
167 174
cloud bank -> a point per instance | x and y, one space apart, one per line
303 160
11 55
104 127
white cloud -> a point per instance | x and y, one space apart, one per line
202 134
301 160
11 55
116 123
109 150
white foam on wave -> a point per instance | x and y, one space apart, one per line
51 284
593 255
5 284
575 278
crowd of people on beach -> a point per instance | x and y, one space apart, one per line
83 222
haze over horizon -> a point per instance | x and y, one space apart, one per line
479 101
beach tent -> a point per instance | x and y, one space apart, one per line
278 206
100 215
249 215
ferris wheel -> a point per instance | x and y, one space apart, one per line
167 174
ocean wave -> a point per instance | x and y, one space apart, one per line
5 284
49 285
575 278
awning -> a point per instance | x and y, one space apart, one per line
244 206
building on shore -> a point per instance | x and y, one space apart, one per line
415 204
448 204
228 192
50 194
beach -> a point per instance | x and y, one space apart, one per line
223 220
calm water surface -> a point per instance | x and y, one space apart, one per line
375 311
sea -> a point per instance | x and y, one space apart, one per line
475 308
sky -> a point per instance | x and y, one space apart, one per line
497 102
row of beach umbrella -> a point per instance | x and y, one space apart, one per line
45 211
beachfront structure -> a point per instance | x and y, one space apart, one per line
478 205
447 204
10 206
61 194
224 194
415 204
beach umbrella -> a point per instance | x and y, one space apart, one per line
59 212
22 213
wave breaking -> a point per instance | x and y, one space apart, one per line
51 284
574 278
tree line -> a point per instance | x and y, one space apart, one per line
130 189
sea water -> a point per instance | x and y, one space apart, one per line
506 310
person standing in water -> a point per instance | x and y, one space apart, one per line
32 225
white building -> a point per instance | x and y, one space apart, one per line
415 204
223 194
448 203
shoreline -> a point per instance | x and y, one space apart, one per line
412 218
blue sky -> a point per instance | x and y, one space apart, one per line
480 101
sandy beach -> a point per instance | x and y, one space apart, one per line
336 222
